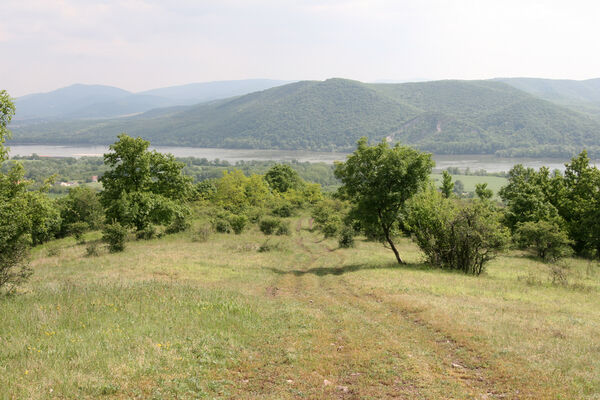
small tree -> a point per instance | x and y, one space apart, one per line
378 180
15 217
456 235
281 177
548 240
447 184
482 191
115 236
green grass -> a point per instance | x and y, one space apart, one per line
494 182
176 318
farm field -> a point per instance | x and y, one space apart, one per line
185 319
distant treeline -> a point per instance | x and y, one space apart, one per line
81 170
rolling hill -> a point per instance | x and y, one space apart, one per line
446 117
97 101
582 96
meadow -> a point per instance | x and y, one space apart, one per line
182 318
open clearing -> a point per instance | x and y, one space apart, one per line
174 318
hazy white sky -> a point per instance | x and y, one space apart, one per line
143 44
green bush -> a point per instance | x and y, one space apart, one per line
115 236
181 223
77 229
238 223
283 228
147 233
202 234
284 210
331 227
268 225
548 240
346 238
456 235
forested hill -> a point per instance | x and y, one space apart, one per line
443 116
582 96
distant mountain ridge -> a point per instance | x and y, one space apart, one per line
98 101
583 96
445 117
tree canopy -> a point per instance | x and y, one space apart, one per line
378 180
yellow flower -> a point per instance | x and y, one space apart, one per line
26 372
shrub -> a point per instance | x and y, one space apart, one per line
203 233
268 225
147 233
77 229
238 223
331 227
283 228
92 250
180 223
346 238
283 210
13 266
546 238
115 235
222 225
456 235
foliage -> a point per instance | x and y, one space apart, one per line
115 235
238 223
77 229
346 237
15 202
456 235
548 240
272 225
80 205
483 192
447 184
378 180
149 232
142 187
281 177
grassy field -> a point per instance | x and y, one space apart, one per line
175 318
494 182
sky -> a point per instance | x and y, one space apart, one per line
144 44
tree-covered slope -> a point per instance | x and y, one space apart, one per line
579 95
444 117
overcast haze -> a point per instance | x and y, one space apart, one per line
144 44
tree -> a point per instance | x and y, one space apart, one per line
483 192
80 205
281 177
548 240
447 184
454 234
143 187
526 197
15 229
378 180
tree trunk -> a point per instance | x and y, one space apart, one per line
391 243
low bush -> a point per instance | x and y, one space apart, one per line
284 210
181 223
548 240
149 232
77 229
53 251
115 236
268 225
238 223
268 245
283 228
456 234
346 237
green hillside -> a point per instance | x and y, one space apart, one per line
446 117
579 95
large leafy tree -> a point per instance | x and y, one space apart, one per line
378 180
143 187
15 229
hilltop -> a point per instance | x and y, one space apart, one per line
445 117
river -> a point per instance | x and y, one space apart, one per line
489 163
